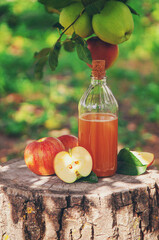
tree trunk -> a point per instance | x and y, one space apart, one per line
36 207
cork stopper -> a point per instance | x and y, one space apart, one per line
98 69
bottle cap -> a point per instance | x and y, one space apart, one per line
98 69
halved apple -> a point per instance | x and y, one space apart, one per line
146 158
72 165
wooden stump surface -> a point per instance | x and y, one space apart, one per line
36 207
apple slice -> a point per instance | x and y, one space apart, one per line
73 165
145 158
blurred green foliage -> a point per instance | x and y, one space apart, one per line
31 108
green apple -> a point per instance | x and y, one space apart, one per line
146 158
114 24
82 27
73 165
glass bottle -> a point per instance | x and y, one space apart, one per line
98 122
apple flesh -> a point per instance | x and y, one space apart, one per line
39 155
145 158
73 165
69 141
101 50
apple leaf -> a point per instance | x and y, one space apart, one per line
58 25
130 169
87 2
78 39
91 178
69 45
126 156
44 52
73 35
132 10
53 56
83 53
124 1
56 3
128 164
39 65
95 7
82 50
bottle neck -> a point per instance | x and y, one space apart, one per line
96 81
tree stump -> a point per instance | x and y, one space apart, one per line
36 207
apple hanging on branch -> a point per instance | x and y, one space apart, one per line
103 51
82 26
110 21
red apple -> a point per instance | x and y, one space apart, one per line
39 155
69 141
102 51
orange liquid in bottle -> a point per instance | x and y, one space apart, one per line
98 133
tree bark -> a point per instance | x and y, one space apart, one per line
36 207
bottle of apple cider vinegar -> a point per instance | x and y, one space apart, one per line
98 122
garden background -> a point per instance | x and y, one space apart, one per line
31 108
